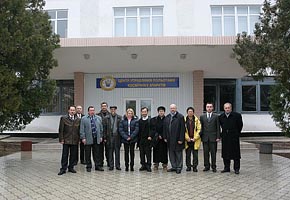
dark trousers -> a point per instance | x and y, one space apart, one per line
96 149
105 150
82 152
145 155
227 163
188 152
129 148
209 148
69 151
176 159
114 149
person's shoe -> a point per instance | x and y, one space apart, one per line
188 169
143 168
178 171
99 169
237 172
89 169
118 168
171 170
149 169
225 170
132 168
155 167
194 169
214 170
111 168
165 167
72 171
61 172
127 169
205 169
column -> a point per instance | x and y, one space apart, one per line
198 87
79 84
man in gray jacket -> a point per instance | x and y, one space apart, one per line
91 133
210 135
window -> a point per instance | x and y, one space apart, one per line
63 97
255 94
138 21
249 98
264 97
58 19
231 20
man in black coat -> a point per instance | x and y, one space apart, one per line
145 140
231 124
175 137
104 145
210 135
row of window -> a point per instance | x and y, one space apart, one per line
148 21
253 96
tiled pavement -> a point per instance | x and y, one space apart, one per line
33 175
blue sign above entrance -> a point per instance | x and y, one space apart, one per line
109 83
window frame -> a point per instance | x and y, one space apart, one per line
138 19
248 81
55 21
236 15
60 104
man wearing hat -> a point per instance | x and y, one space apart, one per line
159 146
112 136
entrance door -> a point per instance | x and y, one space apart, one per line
136 104
220 92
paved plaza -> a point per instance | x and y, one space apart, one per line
33 175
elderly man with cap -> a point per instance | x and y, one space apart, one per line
112 136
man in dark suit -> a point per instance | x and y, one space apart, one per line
210 135
174 126
231 124
80 114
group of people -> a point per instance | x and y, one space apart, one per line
103 133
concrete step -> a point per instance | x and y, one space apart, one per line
57 146
50 146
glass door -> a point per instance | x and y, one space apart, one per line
136 104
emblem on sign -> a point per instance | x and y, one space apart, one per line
108 83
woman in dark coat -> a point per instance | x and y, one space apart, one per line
159 146
129 129
231 124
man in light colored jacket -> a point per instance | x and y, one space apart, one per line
91 134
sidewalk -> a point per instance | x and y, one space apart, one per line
33 175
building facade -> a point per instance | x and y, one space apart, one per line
135 53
